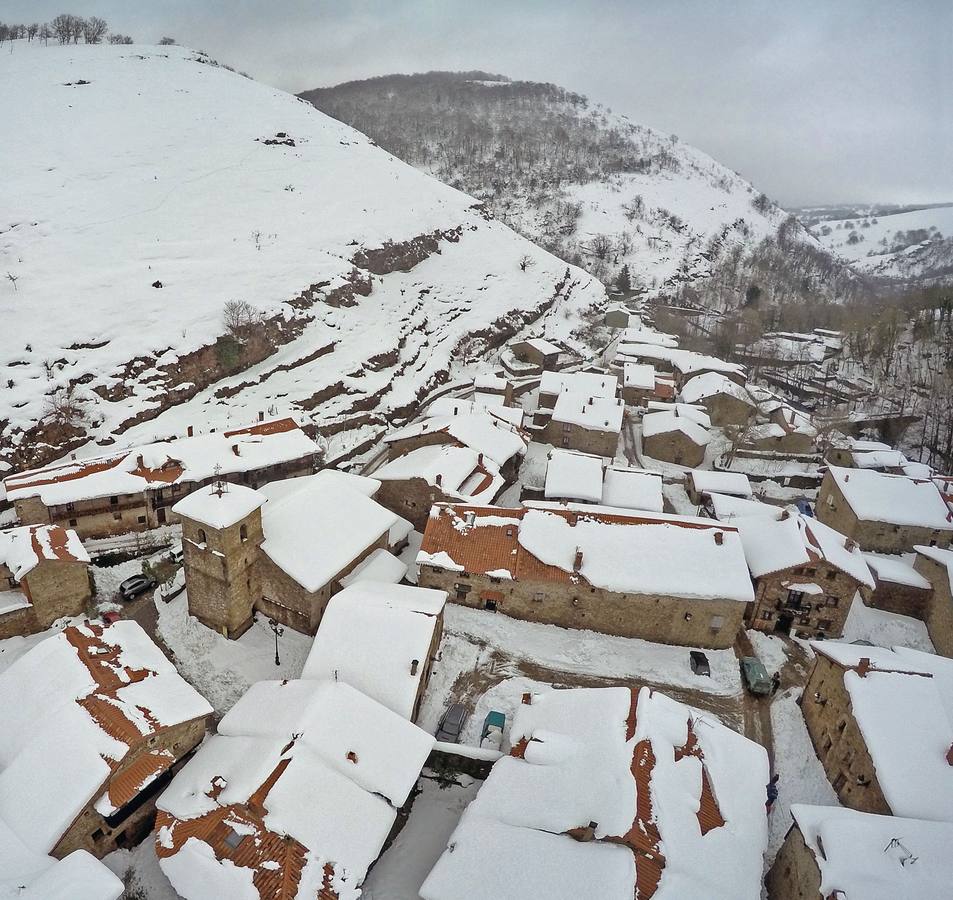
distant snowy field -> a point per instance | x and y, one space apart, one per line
156 169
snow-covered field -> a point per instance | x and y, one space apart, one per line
137 165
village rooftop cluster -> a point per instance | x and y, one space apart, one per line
649 494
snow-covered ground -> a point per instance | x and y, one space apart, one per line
167 177
885 629
222 670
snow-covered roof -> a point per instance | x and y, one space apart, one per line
916 469
491 404
938 555
219 505
22 549
640 334
690 411
300 788
628 488
547 348
317 526
381 565
586 411
457 471
675 800
158 465
896 570
28 875
592 384
764 431
619 551
370 636
574 476
862 856
895 499
654 423
727 508
479 431
490 382
794 421
707 481
687 362
709 384
902 700
798 540
638 375
74 706
878 459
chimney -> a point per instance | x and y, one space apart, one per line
261 416
850 545
846 478
469 517
527 699
480 460
863 667
414 664
351 756
785 515
439 479
949 755
719 538
190 431
577 562
235 450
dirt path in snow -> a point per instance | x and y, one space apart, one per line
757 710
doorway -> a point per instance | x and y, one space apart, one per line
784 624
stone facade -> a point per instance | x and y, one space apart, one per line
675 447
122 513
794 874
789 442
229 578
667 620
130 825
780 608
725 409
833 509
411 498
575 437
838 741
902 599
939 613
526 352
55 588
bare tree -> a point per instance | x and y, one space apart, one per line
62 27
31 30
239 316
166 41
600 246
65 407
526 262
45 33
119 39
94 30
13 279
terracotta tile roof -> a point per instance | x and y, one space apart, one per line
60 473
145 768
276 426
57 543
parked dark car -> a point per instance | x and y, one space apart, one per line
136 585
755 676
451 724
699 663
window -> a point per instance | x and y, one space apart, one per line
717 622
825 624
795 598
767 615
117 516
70 507
539 597
831 574
233 839
567 427
141 520
72 523
113 500
565 442
97 834
832 601
243 533
202 538
811 572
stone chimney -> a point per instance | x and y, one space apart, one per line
439 479
235 450
850 545
949 755
585 835
414 665
527 699
719 538
261 416
480 460
351 756
785 515
577 562
863 667
190 431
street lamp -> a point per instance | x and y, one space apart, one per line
279 631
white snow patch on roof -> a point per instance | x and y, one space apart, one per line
895 499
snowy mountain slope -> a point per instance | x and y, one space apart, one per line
152 187
909 244
586 183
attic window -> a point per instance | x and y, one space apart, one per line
233 839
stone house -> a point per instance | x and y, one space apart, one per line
44 576
485 386
841 449
281 550
725 401
639 384
884 513
700 484
296 796
573 477
617 316
592 384
582 422
805 575
688 364
602 571
936 566
770 436
898 587
880 724
831 852
672 437
537 352
381 639
133 490
411 484
106 698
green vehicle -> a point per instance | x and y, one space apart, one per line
755 676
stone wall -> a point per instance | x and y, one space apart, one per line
903 599
411 499
674 447
574 437
838 741
90 831
57 588
881 537
939 617
817 615
724 409
667 620
794 874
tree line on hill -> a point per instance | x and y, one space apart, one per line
67 28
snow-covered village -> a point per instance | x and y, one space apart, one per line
434 485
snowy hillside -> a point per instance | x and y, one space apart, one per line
153 187
584 182
914 243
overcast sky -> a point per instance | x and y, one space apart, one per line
815 102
